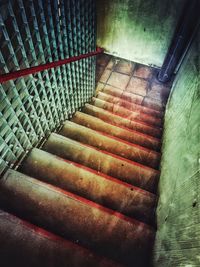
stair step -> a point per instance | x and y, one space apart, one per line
110 144
90 184
134 98
129 105
120 121
72 217
119 132
126 113
25 244
123 169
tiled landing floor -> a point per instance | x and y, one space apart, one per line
133 77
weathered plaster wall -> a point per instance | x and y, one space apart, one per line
137 30
178 236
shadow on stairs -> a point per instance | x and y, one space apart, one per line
88 196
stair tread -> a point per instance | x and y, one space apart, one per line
127 104
120 132
90 184
85 168
121 168
113 137
119 120
108 153
132 97
78 198
126 113
111 144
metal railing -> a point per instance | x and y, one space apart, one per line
32 70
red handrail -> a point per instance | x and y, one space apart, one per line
19 73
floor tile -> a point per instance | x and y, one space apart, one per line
137 86
143 72
118 80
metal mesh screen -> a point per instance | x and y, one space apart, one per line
34 32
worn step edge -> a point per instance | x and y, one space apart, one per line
121 121
103 161
72 216
91 184
127 113
111 144
129 105
42 248
137 99
122 133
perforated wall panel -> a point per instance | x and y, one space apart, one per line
34 32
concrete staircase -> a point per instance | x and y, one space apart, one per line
88 196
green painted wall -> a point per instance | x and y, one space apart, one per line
178 212
137 30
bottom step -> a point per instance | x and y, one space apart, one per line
72 217
25 245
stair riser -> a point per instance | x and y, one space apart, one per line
106 143
129 105
124 170
122 133
72 218
120 121
79 180
24 244
124 112
145 101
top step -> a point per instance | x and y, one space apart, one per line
129 105
134 98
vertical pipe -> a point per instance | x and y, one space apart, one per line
183 36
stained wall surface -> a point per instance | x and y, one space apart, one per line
138 30
178 213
